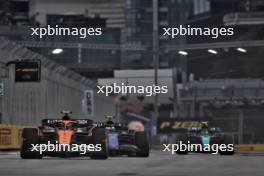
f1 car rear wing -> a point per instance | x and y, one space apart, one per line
116 125
198 129
215 130
75 122
194 129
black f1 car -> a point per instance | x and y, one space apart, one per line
123 141
207 140
64 137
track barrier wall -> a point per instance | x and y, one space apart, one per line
247 148
10 136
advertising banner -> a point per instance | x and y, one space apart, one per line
170 125
89 102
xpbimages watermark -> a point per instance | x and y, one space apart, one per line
189 147
51 147
131 89
65 31
188 30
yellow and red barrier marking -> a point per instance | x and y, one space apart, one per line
10 136
245 148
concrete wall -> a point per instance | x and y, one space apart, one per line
59 89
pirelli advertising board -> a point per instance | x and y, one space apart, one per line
171 125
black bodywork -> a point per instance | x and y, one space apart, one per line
122 141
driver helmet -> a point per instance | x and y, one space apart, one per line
109 120
204 127
66 115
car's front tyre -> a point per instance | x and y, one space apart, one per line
228 140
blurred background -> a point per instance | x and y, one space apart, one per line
217 80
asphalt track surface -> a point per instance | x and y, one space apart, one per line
158 164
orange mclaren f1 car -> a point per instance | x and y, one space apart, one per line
64 137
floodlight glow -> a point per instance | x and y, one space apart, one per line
57 51
212 51
242 50
184 53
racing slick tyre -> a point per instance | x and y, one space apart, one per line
99 137
227 140
30 136
142 142
184 140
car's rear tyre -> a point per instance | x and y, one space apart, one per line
182 152
30 136
99 137
142 142
228 140
184 140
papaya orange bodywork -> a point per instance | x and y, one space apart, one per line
65 136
